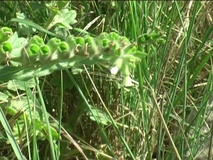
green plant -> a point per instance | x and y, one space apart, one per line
35 58
24 59
164 115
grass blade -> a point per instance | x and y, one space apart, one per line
10 136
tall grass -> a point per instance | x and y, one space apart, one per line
173 77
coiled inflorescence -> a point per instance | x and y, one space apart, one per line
35 51
112 48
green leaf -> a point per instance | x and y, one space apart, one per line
34 25
65 18
57 81
3 97
26 73
16 54
99 115
54 133
15 85
24 29
22 106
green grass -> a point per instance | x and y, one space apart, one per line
90 115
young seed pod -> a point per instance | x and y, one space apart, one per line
118 52
79 49
111 53
63 50
80 40
53 44
33 52
89 40
131 49
113 36
5 34
5 48
36 40
105 43
71 42
72 45
91 47
124 41
102 36
113 45
44 54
